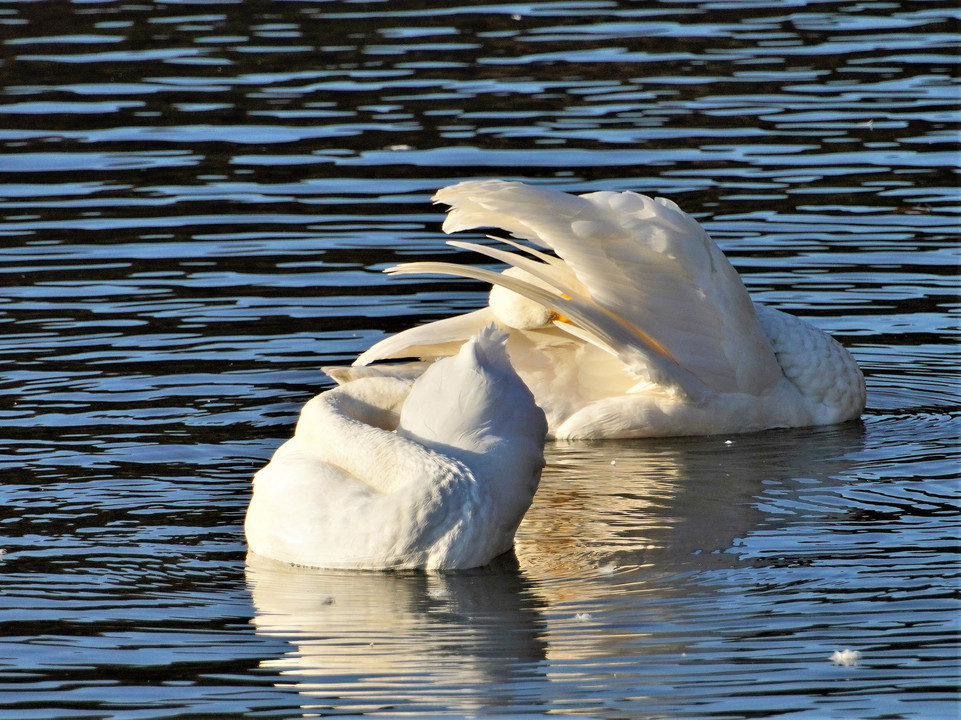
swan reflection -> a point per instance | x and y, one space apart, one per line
660 507
621 535
404 637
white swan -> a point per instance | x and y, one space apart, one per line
638 327
446 490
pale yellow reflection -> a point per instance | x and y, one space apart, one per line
618 529
609 507
614 505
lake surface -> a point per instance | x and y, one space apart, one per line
196 204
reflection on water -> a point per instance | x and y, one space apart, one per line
196 203
662 505
628 551
372 640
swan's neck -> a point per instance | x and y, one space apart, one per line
360 414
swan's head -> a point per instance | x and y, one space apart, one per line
474 401
517 311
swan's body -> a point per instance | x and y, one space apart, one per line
638 327
446 490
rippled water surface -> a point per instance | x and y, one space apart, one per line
196 202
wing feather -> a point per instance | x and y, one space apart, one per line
609 332
642 260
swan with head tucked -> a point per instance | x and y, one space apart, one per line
636 325
380 474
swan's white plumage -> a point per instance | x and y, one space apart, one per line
641 261
446 490
654 332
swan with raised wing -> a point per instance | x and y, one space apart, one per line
384 475
635 324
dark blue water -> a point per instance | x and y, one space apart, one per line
196 202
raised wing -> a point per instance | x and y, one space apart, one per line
646 264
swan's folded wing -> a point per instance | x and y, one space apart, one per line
435 339
642 260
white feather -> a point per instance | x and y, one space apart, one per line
846 658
